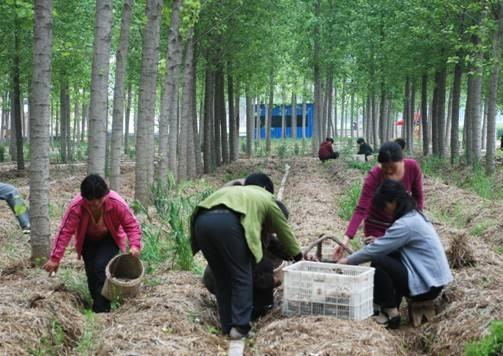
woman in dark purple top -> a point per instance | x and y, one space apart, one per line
392 166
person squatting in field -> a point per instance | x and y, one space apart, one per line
10 194
100 220
227 228
391 165
409 259
364 148
326 150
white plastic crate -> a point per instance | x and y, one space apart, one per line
343 291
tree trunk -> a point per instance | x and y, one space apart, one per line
435 115
269 116
256 112
118 105
468 127
382 113
237 110
483 139
249 124
76 121
39 132
168 122
97 135
232 119
410 126
374 121
352 118
220 112
186 163
456 93
283 118
126 118
64 100
207 122
368 118
16 110
304 116
335 112
441 112
293 126
316 138
475 115
343 111
195 129
144 172
493 92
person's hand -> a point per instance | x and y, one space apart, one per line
308 257
343 261
134 251
368 239
339 251
51 266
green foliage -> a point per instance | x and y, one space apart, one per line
491 345
360 165
87 341
2 153
349 200
76 282
53 343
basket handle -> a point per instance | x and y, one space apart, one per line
319 242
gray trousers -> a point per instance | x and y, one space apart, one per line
10 194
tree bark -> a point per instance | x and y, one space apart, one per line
304 116
456 94
335 112
127 117
118 104
195 128
39 131
16 110
237 110
352 118
232 119
283 118
468 124
316 138
97 135
441 112
144 172
64 102
493 92
293 125
207 122
220 112
269 116
382 113
249 124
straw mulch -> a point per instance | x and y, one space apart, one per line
317 335
37 315
176 317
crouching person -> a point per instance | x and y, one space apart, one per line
10 194
409 259
100 220
226 227
264 280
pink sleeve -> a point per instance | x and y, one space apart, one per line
417 187
66 231
363 206
131 226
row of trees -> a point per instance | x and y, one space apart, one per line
179 68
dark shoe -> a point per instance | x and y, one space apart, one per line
394 323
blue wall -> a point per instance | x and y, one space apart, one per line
276 127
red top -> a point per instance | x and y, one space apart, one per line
117 217
326 150
377 221
96 230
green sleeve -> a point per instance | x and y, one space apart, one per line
280 226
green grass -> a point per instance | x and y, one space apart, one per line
76 282
491 345
349 200
87 341
52 344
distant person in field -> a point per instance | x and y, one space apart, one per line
326 150
227 228
10 194
391 165
401 143
409 259
100 220
364 148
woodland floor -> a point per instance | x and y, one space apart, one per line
176 315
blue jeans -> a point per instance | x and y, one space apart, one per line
10 194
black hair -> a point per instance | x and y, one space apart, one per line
401 142
330 139
393 191
360 140
283 208
390 152
93 187
261 180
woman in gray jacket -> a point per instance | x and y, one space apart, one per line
409 259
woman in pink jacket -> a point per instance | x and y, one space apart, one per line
100 220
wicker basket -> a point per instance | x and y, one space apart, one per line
124 276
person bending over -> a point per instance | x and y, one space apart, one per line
226 227
364 148
409 259
100 220
10 194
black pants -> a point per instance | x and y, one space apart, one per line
391 282
96 255
221 238
334 155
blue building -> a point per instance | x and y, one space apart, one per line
276 120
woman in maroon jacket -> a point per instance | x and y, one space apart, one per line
392 166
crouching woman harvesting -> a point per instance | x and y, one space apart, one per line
418 271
